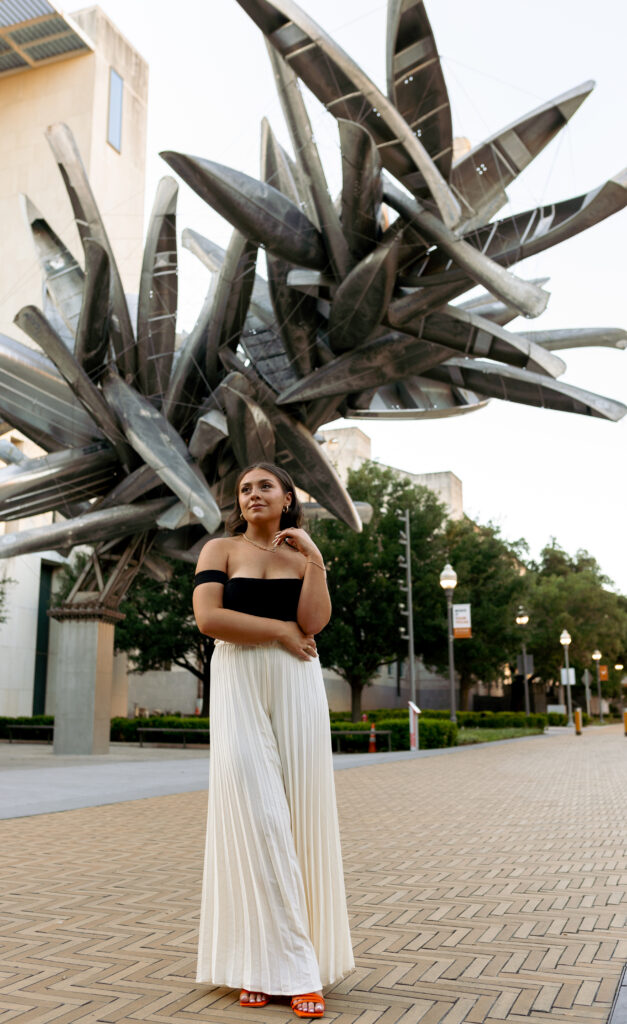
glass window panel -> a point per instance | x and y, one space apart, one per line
114 133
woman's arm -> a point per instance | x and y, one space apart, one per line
222 623
314 606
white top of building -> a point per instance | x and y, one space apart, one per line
34 33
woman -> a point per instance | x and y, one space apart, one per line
273 915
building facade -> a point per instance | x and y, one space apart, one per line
81 71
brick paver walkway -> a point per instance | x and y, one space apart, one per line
486 886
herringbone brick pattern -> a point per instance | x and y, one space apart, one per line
485 886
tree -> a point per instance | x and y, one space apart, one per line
571 592
490 578
364 577
159 627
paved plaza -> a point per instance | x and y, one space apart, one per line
484 884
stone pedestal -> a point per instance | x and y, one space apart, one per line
119 690
82 671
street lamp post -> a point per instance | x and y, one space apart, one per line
522 618
404 562
565 640
596 657
448 582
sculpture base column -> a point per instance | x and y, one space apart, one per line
83 678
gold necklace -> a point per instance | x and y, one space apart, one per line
256 545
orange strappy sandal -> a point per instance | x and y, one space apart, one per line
309 997
256 1004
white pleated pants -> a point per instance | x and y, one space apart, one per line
273 915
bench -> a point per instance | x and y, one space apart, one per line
179 732
47 729
361 732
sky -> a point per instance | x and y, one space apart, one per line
536 474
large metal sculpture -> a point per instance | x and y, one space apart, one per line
354 318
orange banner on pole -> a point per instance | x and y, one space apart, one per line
604 674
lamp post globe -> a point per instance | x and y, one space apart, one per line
596 657
448 582
565 640
448 577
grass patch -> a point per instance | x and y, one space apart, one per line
466 736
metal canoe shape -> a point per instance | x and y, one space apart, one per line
347 92
259 211
363 298
11 454
299 452
63 277
138 483
188 384
482 175
579 337
525 234
57 481
475 336
297 314
362 189
212 256
158 293
311 170
159 445
415 81
35 399
525 297
92 332
250 430
417 398
32 321
230 301
514 385
441 278
211 428
90 528
267 352
498 312
90 225
377 362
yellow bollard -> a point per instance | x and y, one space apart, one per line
578 721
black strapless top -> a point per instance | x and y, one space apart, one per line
270 599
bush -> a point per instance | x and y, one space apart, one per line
23 720
124 730
433 734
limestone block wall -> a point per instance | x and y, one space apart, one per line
75 91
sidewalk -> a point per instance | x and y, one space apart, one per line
35 781
485 885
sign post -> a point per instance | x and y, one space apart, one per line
414 736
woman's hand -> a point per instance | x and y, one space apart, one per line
300 540
301 645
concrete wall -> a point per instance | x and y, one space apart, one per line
432 691
166 691
76 92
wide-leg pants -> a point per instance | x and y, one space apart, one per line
273 914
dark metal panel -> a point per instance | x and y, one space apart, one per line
158 294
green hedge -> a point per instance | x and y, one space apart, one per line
124 730
23 720
433 734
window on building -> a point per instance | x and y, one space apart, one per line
114 131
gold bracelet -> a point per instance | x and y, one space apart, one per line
317 564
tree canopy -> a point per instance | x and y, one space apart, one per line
571 592
365 577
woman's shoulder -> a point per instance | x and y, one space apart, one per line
215 554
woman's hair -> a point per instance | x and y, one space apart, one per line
294 515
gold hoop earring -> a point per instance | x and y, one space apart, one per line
286 508
241 514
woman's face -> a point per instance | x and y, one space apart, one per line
261 496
